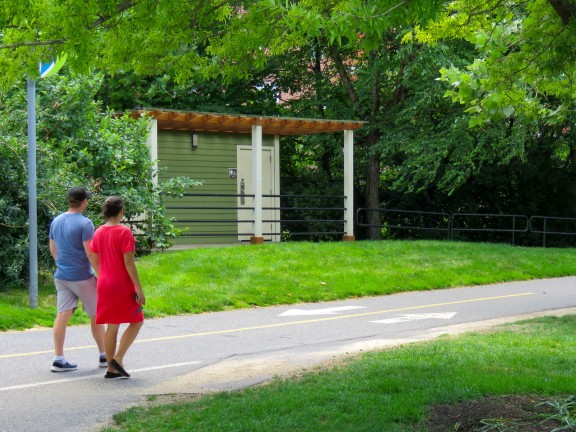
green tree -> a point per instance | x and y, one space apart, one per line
147 36
128 91
525 63
353 45
396 90
524 44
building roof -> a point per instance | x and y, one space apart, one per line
238 123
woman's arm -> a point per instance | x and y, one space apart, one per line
133 272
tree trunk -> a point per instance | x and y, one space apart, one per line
373 189
566 10
368 111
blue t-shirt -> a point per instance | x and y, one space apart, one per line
69 231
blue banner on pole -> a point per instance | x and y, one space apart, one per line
47 69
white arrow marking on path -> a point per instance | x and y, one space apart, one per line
327 311
414 317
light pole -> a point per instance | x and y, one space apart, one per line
32 196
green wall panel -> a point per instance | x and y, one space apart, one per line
209 162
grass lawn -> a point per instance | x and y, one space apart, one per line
396 390
215 279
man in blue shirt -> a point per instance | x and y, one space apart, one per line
70 235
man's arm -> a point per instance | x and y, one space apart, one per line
93 257
53 250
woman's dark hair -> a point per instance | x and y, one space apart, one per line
112 206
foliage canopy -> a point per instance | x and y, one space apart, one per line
525 64
525 47
511 68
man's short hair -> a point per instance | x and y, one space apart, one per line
76 195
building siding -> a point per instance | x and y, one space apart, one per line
209 163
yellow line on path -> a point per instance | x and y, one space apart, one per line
286 324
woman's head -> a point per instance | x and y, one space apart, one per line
112 206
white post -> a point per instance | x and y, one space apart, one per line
257 182
152 142
349 185
277 191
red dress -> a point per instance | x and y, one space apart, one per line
116 303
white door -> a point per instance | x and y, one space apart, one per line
246 203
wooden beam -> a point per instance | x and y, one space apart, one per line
230 123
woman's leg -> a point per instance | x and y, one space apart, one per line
126 340
110 341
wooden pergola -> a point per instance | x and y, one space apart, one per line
240 123
258 126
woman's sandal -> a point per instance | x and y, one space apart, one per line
114 375
119 368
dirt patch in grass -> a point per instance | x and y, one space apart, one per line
503 414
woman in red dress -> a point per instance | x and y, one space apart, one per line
120 296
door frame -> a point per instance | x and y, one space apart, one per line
270 205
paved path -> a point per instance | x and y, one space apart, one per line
227 350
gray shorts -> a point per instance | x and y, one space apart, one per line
68 293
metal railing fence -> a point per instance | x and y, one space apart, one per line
451 224
558 223
407 220
300 215
323 216
484 222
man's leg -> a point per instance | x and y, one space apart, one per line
59 331
86 291
66 304
98 332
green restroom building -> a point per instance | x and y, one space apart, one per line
237 157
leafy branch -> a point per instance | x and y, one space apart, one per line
124 6
12 226
33 44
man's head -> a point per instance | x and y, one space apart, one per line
77 195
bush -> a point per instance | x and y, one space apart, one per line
78 144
